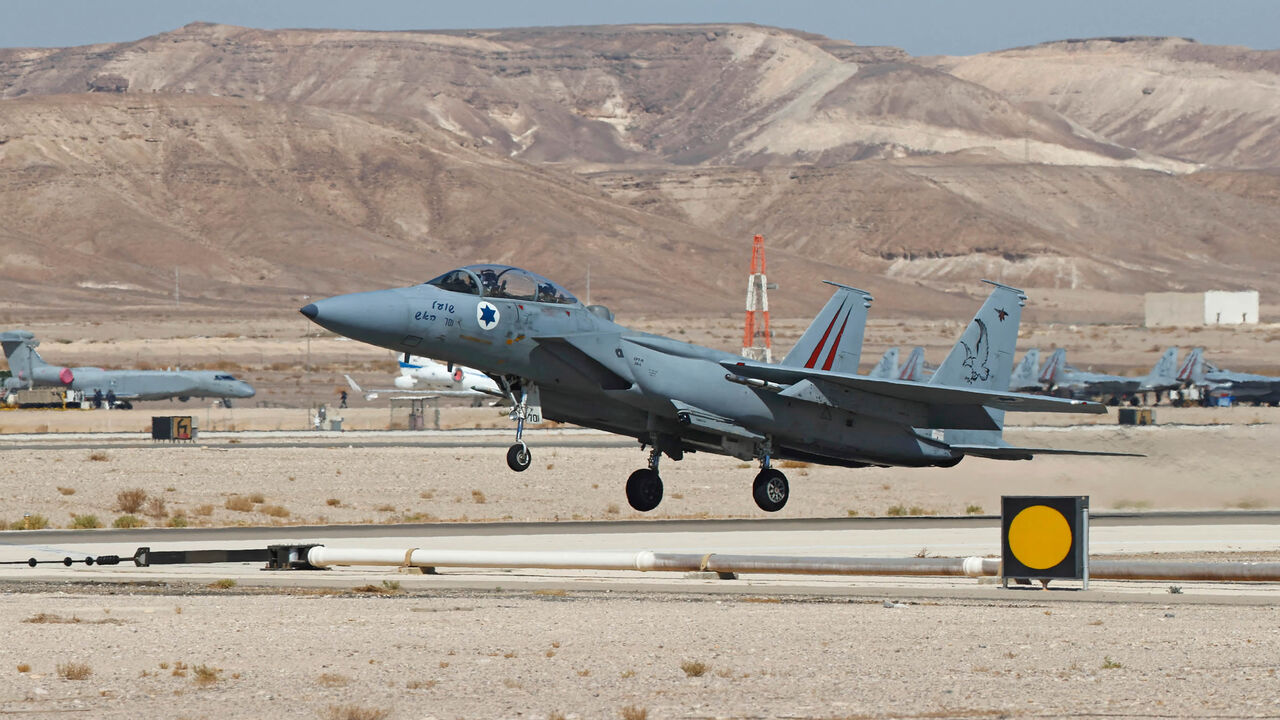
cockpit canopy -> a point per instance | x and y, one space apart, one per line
503 281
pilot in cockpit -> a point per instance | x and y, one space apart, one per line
489 279
546 292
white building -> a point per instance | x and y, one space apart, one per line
1214 307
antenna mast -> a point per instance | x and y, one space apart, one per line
757 339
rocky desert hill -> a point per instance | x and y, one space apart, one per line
263 166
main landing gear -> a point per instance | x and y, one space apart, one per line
644 487
770 489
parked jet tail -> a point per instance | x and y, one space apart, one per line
1164 374
834 338
1027 374
913 369
1192 369
1052 367
19 348
888 366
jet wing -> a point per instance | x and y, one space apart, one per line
912 392
1009 452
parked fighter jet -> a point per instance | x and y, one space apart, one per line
30 370
1242 387
1064 380
557 359
887 367
426 377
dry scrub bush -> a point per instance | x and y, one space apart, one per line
239 503
98 456
223 584
631 712
74 671
204 510
156 507
333 502
66 490
130 501
23 667
478 497
179 520
30 522
257 498
279 511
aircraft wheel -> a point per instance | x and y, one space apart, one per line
126 405
644 490
519 457
770 490
183 398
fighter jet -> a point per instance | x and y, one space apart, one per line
558 359
426 377
1063 380
29 370
1244 387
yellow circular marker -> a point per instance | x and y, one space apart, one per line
1039 537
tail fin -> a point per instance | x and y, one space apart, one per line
1165 371
913 368
834 338
887 368
983 358
1027 374
1053 367
1192 368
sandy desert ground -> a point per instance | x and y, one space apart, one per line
184 650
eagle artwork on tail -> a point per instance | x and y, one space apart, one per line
978 370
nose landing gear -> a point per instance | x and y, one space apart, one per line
527 409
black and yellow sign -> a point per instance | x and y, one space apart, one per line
1044 537
172 427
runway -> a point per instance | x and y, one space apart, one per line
1111 534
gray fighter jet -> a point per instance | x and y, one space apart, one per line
558 359
1242 387
28 370
1026 377
1062 379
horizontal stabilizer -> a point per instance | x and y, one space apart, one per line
1008 452
916 392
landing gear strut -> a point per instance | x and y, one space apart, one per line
644 487
770 489
518 455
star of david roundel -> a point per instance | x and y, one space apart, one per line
487 315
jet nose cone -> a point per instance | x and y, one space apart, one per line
380 317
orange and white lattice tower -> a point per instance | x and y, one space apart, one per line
757 340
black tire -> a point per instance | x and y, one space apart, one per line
771 490
519 457
644 490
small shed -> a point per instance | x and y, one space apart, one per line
1213 307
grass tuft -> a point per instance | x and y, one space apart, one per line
124 522
694 668
156 508
85 521
633 712
205 675
74 671
333 680
973 510
222 584
1109 664
477 497
354 712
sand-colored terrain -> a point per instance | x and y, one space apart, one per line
156 652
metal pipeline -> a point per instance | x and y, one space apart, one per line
1172 570
646 560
